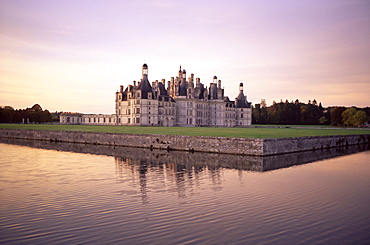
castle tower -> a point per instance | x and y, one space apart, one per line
144 85
215 79
182 85
145 72
184 76
241 100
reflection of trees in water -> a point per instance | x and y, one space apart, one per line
146 176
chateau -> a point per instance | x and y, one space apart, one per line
181 103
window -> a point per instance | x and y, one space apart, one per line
129 120
129 103
137 110
137 120
241 115
129 111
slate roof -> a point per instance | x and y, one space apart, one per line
145 87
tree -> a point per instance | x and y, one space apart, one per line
348 118
7 107
323 120
34 114
36 108
359 118
273 115
6 114
256 112
336 115
305 114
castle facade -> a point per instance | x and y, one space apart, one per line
183 102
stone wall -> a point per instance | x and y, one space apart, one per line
239 146
286 145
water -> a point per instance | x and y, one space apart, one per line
53 193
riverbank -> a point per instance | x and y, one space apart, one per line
221 145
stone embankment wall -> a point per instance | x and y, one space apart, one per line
239 146
287 145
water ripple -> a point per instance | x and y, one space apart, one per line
59 197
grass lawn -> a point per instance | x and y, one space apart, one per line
295 126
275 132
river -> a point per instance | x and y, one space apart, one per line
58 193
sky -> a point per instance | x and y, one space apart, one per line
73 55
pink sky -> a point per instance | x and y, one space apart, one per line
73 55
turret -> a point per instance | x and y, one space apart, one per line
241 100
180 73
197 82
191 80
215 79
145 71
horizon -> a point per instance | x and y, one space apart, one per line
73 56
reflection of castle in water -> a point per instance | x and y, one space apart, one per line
183 172
168 177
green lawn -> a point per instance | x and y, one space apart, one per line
252 132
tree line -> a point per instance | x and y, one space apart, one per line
311 113
35 114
